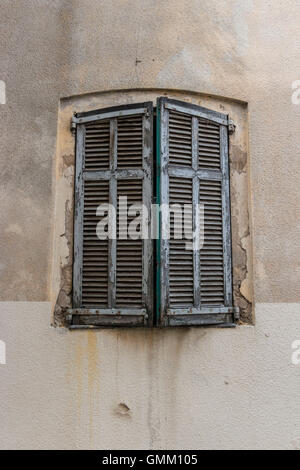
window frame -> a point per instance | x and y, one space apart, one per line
78 317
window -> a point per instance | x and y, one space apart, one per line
131 160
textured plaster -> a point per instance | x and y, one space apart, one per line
140 389
246 50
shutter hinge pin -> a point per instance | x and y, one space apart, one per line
73 124
236 313
231 126
69 318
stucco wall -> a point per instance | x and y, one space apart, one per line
202 388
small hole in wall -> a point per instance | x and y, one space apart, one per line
123 410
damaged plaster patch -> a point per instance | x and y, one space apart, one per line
238 159
241 289
68 160
123 410
241 248
64 298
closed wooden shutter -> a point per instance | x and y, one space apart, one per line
112 278
196 285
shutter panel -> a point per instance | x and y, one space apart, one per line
95 251
112 278
196 284
181 271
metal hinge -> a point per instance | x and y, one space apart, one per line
236 313
231 126
73 124
69 318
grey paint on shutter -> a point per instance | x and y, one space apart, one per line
112 279
78 217
196 284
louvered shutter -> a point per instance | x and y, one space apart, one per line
112 278
196 285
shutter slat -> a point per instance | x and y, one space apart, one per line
180 260
180 139
130 142
129 252
209 145
95 256
97 140
211 254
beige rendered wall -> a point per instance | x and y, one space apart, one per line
188 388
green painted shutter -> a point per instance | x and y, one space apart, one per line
196 285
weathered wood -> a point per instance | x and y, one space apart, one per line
147 294
196 220
195 315
164 200
78 217
97 175
195 129
194 110
199 310
209 175
109 115
158 217
196 241
107 315
226 216
112 243
112 248
118 174
113 109
108 321
181 172
107 311
201 320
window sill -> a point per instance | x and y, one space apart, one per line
80 318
